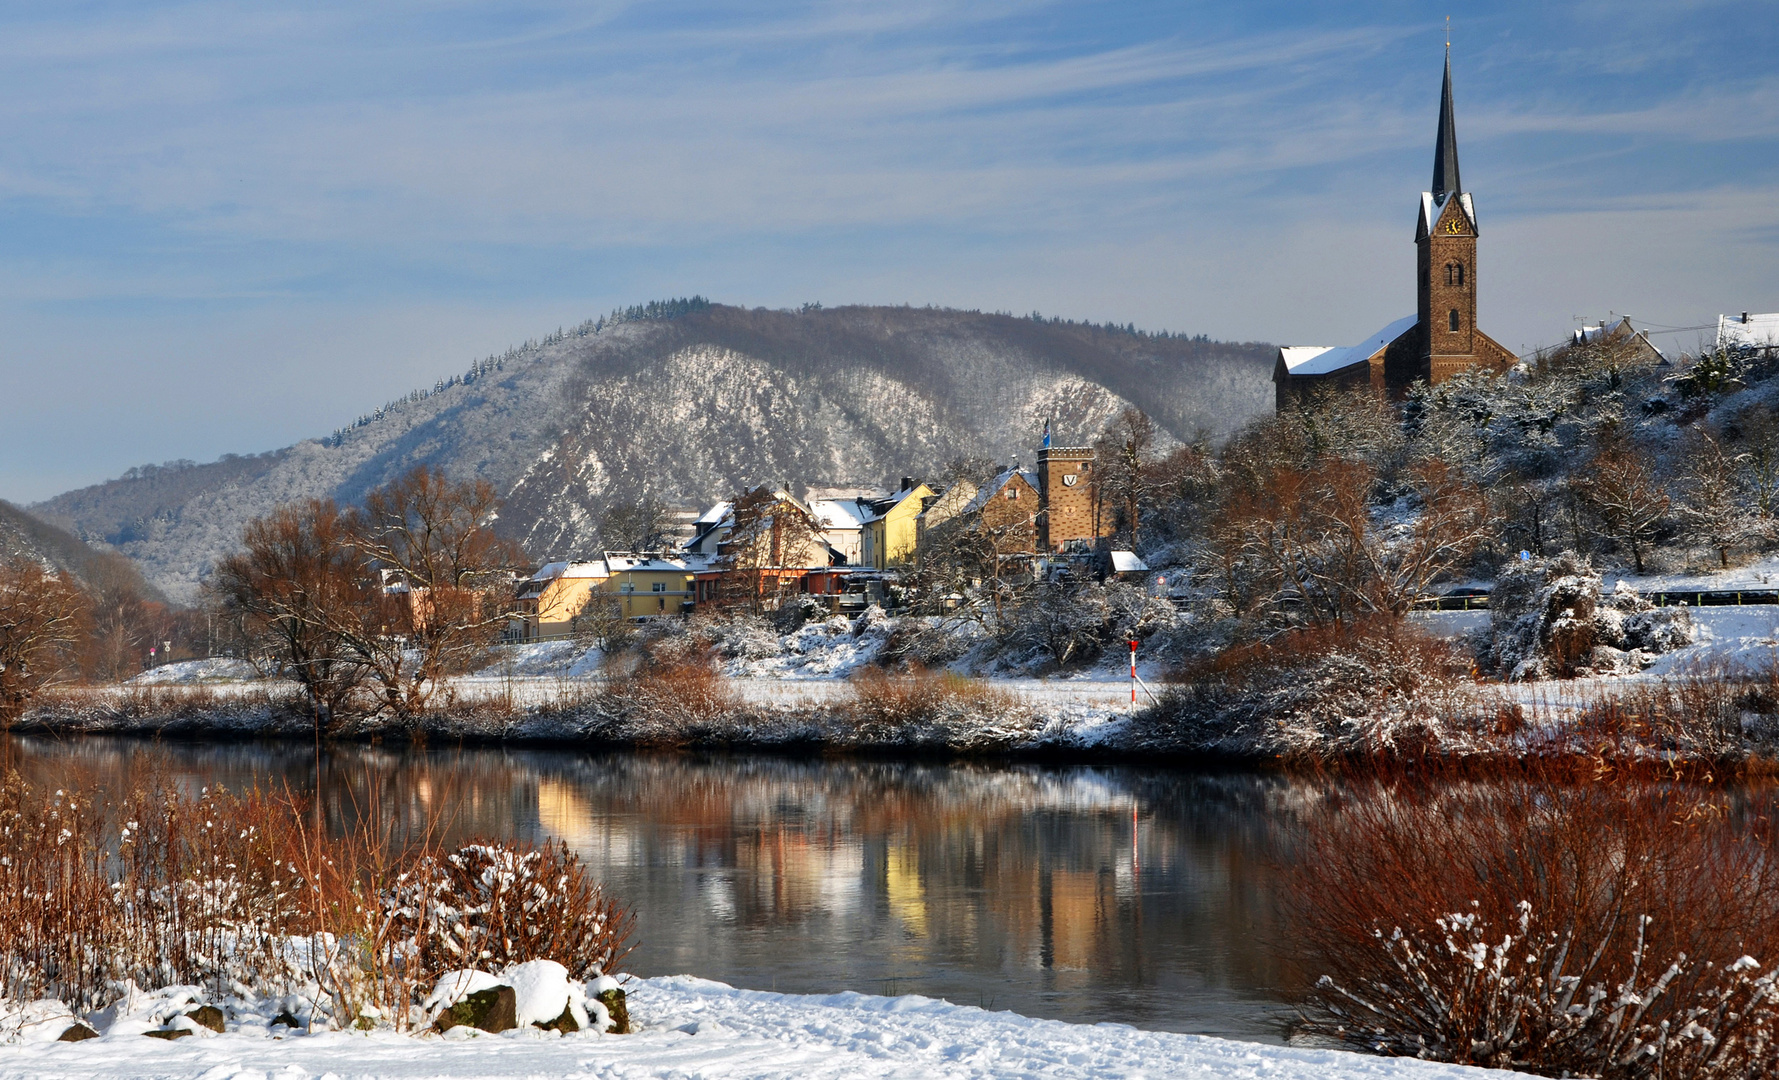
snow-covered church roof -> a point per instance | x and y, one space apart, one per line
1324 359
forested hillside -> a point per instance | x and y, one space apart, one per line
687 401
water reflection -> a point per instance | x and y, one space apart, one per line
1120 894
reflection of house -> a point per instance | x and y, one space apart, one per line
1441 338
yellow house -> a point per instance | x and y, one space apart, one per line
648 585
891 534
551 598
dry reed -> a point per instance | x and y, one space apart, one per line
244 895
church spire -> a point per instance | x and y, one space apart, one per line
1445 155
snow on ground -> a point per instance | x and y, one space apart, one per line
1762 574
691 1027
217 669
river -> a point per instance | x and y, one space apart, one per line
1123 894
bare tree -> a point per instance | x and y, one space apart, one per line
1619 486
41 615
1712 507
292 591
1122 472
442 587
641 524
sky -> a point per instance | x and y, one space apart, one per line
228 227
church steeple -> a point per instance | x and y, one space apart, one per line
1445 154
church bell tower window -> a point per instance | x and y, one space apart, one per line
1453 327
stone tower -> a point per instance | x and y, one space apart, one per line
1066 497
1445 240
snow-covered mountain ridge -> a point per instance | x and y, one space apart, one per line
690 409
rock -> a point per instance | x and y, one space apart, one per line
168 1033
613 1000
208 1015
492 1009
564 1023
78 1033
287 1020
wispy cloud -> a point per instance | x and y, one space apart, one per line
346 159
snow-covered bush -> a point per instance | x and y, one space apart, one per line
1063 624
1534 923
1551 619
1375 687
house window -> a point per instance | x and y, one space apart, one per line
1454 321
661 604
1012 493
659 586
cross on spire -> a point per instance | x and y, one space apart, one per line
1445 154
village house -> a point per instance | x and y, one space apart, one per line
1748 333
891 534
1442 337
1619 334
771 544
547 602
552 601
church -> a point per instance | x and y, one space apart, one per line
1441 338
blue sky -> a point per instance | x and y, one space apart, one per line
228 227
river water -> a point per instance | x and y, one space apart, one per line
1123 894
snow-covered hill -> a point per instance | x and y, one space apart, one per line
689 409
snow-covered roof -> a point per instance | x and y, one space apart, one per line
1431 209
838 513
1747 330
1322 360
993 488
1126 562
715 514
565 569
1615 330
626 563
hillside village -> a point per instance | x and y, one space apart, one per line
766 546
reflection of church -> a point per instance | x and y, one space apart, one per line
1441 338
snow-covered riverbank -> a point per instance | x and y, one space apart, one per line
695 1028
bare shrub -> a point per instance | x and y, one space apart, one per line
923 708
1533 923
674 697
41 617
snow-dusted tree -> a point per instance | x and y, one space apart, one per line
442 583
1122 473
41 615
1619 486
1712 506
292 591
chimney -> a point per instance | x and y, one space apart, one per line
908 481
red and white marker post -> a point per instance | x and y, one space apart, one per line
1133 676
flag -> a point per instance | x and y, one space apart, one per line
1046 443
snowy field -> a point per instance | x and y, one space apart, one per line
695 1028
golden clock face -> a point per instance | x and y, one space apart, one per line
1454 226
